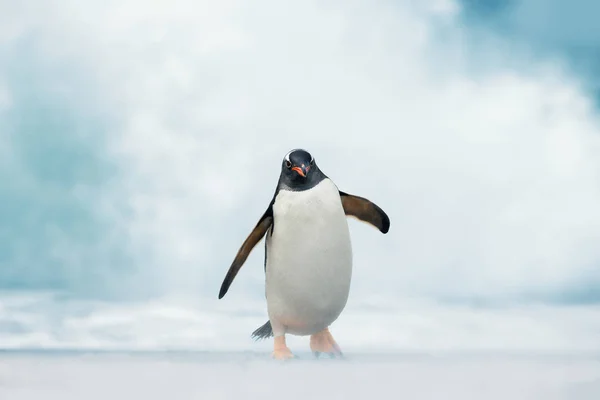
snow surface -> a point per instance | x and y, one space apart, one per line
214 376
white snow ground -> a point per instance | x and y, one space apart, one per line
215 376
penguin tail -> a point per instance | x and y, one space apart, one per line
263 332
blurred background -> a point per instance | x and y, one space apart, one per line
141 141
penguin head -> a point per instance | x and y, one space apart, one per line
299 170
297 164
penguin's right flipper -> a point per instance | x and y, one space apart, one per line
251 241
366 211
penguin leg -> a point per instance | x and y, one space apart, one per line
323 342
280 349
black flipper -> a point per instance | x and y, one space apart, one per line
366 211
264 332
251 241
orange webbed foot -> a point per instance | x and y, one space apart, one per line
280 349
323 342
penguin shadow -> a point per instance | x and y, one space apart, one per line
313 357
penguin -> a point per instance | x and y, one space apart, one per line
308 254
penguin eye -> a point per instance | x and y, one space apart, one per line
288 164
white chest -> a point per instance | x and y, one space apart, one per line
309 222
309 254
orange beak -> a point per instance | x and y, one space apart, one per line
299 171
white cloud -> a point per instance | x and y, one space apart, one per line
482 171
489 174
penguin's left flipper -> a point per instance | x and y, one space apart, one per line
366 211
251 241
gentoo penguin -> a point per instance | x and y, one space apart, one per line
308 254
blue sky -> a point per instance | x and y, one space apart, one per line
140 143
565 30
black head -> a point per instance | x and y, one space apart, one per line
299 171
